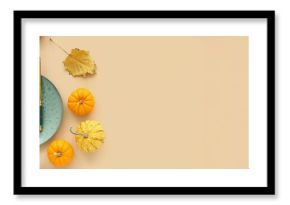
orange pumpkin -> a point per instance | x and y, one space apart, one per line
60 153
81 101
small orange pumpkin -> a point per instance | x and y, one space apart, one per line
81 101
60 153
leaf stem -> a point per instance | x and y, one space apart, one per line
57 45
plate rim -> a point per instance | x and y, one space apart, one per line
61 117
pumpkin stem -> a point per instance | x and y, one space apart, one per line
58 154
80 102
82 134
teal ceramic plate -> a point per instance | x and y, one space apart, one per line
52 110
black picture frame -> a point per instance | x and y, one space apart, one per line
268 190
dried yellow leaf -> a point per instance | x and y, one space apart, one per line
79 63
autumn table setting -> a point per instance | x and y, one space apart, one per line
60 145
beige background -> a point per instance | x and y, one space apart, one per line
164 102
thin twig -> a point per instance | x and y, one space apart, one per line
57 45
